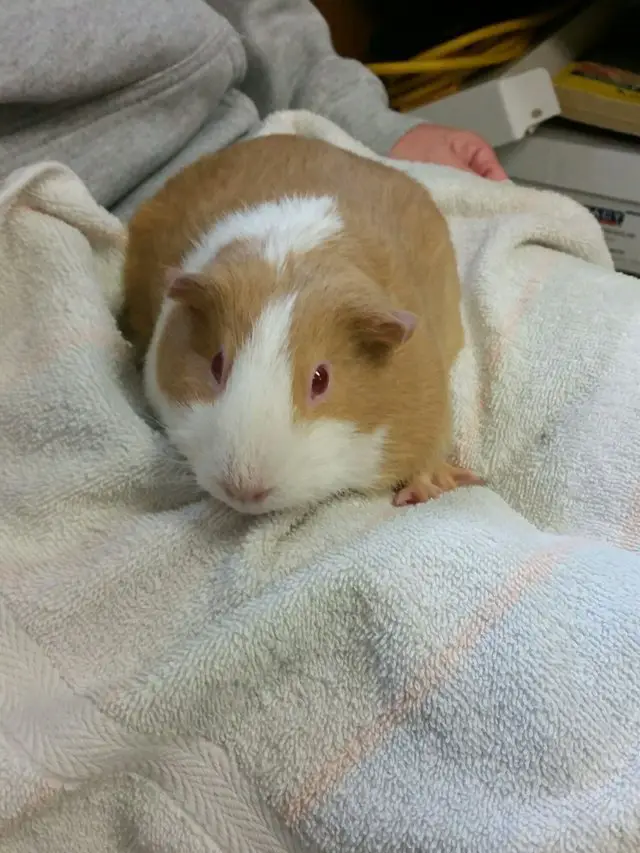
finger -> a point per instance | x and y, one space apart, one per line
485 163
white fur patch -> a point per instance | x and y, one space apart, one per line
248 436
166 410
278 229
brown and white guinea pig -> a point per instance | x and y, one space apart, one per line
297 310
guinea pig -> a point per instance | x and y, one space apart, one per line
297 311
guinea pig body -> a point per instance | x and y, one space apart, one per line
298 311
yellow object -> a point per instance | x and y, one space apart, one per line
442 70
615 87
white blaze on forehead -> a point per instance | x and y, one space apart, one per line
256 409
290 225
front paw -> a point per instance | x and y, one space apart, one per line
424 487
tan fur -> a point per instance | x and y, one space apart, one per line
395 253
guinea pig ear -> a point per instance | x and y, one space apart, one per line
189 288
382 330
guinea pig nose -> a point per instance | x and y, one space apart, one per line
246 494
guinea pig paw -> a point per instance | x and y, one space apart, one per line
426 487
418 491
448 477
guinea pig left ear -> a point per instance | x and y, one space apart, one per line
385 330
188 288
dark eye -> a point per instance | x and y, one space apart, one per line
319 381
217 366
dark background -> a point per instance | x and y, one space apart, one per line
379 30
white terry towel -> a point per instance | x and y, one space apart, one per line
450 677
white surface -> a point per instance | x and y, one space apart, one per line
597 169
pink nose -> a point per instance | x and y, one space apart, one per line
246 494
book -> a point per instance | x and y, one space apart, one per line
602 88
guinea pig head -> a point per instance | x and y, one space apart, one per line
272 382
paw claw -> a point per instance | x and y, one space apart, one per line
406 497
446 478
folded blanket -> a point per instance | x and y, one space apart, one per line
458 676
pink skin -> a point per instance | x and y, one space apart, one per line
408 320
176 281
448 146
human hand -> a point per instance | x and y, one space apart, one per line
448 146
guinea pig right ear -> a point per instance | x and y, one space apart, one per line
189 288
382 330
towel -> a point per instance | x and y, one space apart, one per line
458 676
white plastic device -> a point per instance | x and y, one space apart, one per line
502 111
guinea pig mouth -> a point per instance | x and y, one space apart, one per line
262 507
250 499
253 497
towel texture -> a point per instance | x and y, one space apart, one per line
459 676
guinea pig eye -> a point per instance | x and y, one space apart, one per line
319 381
217 366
